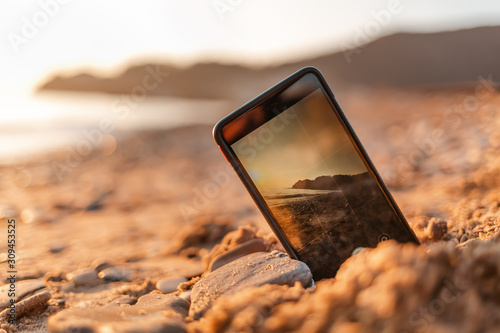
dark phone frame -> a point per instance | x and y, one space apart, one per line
260 100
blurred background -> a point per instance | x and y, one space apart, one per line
107 107
67 65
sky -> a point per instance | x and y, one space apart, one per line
39 38
304 142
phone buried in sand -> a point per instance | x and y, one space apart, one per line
303 165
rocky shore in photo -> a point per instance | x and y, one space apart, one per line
153 232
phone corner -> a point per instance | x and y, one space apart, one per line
310 69
217 133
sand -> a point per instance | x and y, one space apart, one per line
157 202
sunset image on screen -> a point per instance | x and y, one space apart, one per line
285 149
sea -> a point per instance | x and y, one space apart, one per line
283 196
50 121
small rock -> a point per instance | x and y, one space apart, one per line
115 274
436 229
56 246
82 276
232 239
255 269
161 302
22 288
29 304
252 246
66 287
186 295
151 313
96 205
100 264
2 330
169 285
122 300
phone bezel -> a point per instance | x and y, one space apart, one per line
251 188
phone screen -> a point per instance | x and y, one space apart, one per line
316 184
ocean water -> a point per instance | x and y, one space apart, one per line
281 196
37 123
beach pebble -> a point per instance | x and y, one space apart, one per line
115 274
186 295
100 263
436 229
162 302
82 276
94 205
252 246
121 300
253 270
56 246
23 288
38 300
169 284
151 313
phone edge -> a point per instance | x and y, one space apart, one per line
361 148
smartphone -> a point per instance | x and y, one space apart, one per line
300 160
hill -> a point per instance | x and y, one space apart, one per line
331 182
399 60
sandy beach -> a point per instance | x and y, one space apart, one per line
154 204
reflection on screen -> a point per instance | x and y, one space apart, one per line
317 186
